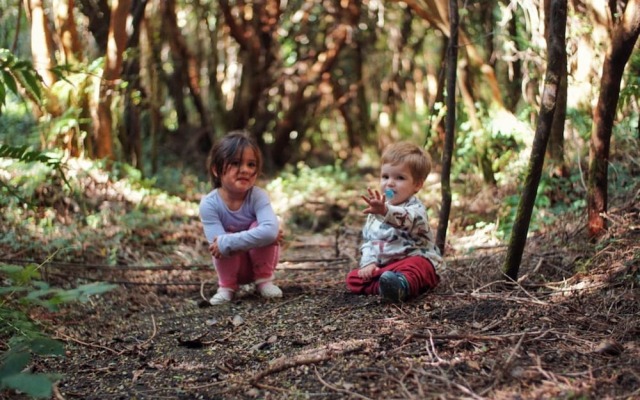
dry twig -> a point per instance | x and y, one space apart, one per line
313 356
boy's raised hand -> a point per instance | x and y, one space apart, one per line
376 202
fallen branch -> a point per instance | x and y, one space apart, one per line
313 356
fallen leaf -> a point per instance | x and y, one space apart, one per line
609 348
237 320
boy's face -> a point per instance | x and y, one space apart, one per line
396 179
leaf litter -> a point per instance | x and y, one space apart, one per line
568 329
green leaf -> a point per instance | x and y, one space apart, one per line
35 385
96 288
28 273
41 285
12 289
35 294
46 346
3 94
20 65
14 362
10 81
10 268
5 56
31 82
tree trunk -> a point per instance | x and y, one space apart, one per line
623 41
111 75
98 14
513 86
351 100
189 66
41 42
150 47
130 137
255 31
219 115
555 48
66 25
293 118
450 125
556 139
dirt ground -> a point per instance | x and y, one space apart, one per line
561 333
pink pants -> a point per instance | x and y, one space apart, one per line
244 267
418 270
256 265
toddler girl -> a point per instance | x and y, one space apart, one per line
238 220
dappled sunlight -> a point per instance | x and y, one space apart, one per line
480 237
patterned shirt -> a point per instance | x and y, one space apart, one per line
404 231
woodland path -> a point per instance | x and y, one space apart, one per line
559 334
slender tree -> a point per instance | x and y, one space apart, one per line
556 47
450 126
625 35
130 136
555 148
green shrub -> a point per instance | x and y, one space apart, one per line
21 289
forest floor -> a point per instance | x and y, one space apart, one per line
570 328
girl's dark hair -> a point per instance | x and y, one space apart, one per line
223 152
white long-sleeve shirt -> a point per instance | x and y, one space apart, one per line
232 227
404 231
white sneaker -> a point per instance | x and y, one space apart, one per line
269 291
222 296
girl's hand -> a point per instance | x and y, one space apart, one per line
366 273
376 202
214 250
280 239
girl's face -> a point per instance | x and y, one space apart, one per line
240 173
398 183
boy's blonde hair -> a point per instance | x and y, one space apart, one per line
418 161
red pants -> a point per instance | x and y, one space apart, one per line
418 270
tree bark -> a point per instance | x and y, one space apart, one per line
450 126
188 66
555 47
110 77
41 42
625 35
98 14
324 62
215 99
150 47
556 139
66 25
130 136
42 52
351 100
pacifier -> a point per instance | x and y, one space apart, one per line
388 193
